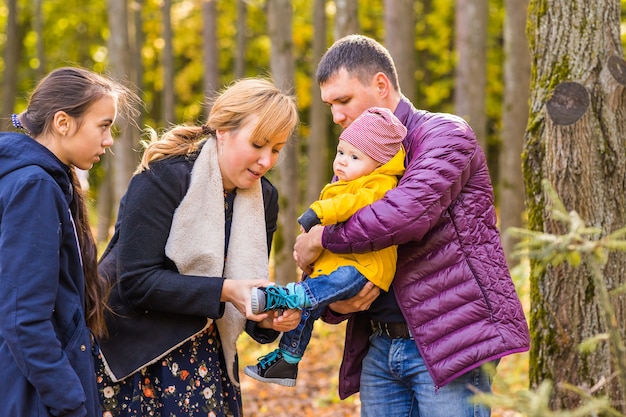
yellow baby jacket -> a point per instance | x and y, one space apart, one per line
340 200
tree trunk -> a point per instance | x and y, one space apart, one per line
346 18
514 119
471 67
137 43
125 159
576 140
211 55
399 39
38 26
318 169
283 71
104 208
240 53
169 111
11 60
108 193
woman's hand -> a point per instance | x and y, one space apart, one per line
239 292
307 248
360 302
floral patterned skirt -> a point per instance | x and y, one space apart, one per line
189 381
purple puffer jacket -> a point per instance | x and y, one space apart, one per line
452 282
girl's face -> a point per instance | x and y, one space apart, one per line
81 143
243 161
350 163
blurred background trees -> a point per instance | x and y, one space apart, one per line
178 53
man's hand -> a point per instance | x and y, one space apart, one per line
360 302
308 248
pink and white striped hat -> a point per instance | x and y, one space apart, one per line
377 132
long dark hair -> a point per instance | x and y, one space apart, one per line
73 90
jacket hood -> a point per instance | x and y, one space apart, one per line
18 151
395 166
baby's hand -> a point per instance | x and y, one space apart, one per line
281 320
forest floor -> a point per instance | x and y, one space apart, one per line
315 393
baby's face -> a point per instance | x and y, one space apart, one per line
350 163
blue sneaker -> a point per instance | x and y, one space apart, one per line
274 369
273 297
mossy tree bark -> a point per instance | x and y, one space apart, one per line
576 138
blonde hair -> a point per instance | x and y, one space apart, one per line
246 97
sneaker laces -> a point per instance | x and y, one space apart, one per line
277 297
270 358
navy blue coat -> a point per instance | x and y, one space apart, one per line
46 357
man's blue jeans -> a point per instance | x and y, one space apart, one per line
396 383
343 283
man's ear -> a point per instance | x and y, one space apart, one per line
382 83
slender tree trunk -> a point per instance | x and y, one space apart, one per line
108 196
125 159
575 139
11 60
514 119
318 169
283 70
211 54
104 207
399 39
240 53
137 42
38 26
346 18
169 111
471 68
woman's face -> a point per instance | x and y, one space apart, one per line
81 143
243 161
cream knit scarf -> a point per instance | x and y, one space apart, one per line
196 241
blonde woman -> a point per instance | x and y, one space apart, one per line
191 240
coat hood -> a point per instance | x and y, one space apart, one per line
18 151
395 166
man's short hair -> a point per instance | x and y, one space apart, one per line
361 56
